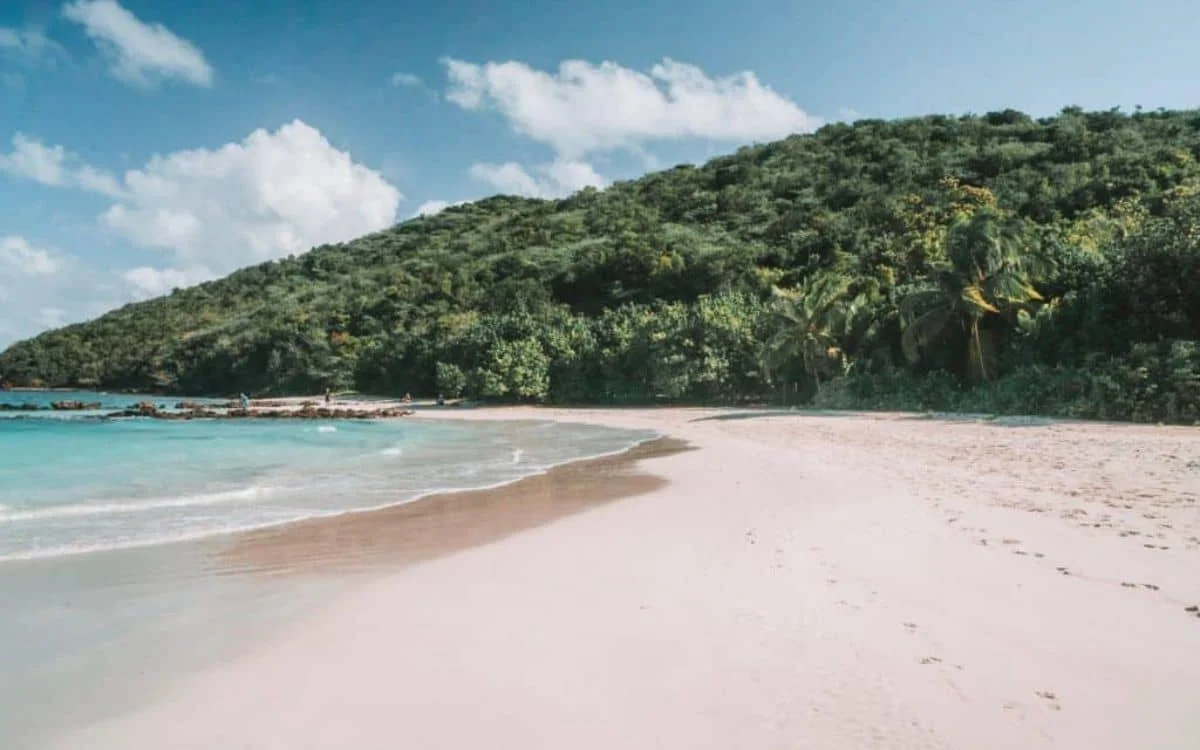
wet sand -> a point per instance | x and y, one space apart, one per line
441 524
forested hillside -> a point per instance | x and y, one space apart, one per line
994 263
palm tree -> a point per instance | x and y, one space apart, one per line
808 321
987 272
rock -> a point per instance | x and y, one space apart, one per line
74 405
147 409
19 407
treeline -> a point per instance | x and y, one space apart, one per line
994 263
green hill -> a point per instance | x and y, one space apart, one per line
995 262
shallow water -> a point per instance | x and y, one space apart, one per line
108 596
72 483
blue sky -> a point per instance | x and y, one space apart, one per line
145 145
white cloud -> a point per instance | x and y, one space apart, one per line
509 177
847 114
53 165
555 180
16 253
584 108
30 46
430 208
271 195
139 53
43 288
34 161
406 79
146 282
572 176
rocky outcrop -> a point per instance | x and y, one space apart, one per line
141 409
147 409
312 412
19 407
74 405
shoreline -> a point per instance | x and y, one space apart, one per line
442 522
831 580
615 461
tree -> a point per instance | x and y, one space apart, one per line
986 273
808 323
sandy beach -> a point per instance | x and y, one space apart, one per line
762 580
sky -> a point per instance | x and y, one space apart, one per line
149 145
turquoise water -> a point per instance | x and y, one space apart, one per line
106 603
73 483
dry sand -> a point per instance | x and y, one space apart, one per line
796 581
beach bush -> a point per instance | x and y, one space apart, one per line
451 380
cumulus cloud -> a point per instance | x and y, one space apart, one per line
139 53
406 79
271 195
30 46
53 165
430 208
555 180
146 282
17 254
584 107
212 211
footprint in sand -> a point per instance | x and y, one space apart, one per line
1051 697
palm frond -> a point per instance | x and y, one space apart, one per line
973 296
1013 288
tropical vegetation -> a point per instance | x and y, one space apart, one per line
994 263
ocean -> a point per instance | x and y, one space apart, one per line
104 526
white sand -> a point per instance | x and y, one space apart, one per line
802 582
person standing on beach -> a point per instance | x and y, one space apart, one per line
245 400
327 396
